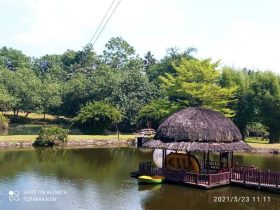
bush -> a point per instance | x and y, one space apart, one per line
4 123
51 136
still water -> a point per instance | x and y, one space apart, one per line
98 178
34 129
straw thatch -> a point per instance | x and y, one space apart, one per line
198 129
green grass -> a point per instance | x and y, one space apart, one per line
258 143
28 138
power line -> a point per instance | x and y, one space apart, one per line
101 22
106 22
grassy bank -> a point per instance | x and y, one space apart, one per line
28 138
259 143
253 142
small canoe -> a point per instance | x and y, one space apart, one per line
150 179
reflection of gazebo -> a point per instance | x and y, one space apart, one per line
202 132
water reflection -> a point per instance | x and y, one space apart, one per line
99 179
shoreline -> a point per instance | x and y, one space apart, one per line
71 143
87 143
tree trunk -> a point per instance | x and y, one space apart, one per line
27 113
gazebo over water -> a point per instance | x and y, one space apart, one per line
193 132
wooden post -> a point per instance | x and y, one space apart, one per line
204 159
208 162
230 175
227 160
220 160
163 158
231 159
209 179
276 179
189 161
259 179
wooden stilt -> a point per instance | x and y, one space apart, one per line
163 158
207 162
204 157
221 166
231 158
227 160
189 161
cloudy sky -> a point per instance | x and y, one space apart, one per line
242 33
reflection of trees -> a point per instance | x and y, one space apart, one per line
3 132
13 162
262 161
50 154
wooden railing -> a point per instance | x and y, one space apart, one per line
183 176
212 164
255 176
243 174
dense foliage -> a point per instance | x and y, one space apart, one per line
121 88
98 116
51 136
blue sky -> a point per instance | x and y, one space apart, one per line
240 33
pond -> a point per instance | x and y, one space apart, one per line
34 129
99 178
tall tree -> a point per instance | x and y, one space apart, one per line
196 83
166 65
266 87
243 106
13 59
119 54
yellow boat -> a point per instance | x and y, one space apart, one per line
150 179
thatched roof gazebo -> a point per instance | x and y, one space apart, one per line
198 129
193 130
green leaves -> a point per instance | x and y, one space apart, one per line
51 136
98 113
196 83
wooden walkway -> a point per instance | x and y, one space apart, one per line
238 175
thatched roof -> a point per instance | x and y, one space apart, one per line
198 128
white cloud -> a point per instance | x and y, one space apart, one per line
52 26
248 44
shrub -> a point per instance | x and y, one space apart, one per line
4 123
51 136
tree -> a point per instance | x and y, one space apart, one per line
156 111
7 101
118 54
196 83
27 88
131 93
243 105
75 93
98 115
13 59
51 97
49 66
166 65
83 62
149 60
266 87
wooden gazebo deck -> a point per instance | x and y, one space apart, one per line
243 176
